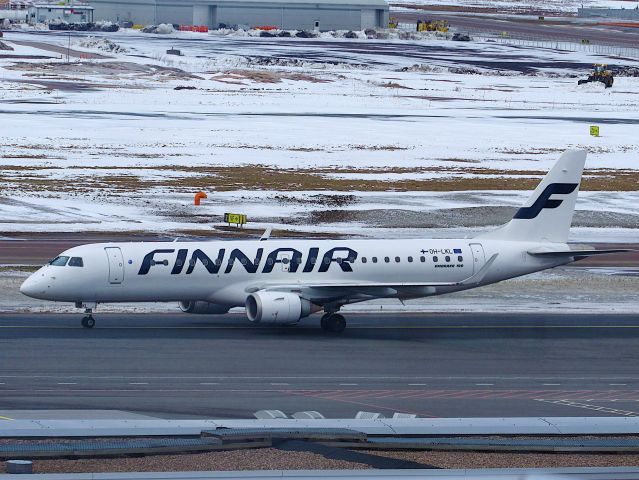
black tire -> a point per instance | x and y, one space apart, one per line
335 323
88 322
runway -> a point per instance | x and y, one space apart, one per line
438 365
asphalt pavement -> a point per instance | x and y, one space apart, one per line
438 365
562 31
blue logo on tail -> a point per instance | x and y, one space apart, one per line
544 201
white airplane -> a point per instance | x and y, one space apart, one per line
283 281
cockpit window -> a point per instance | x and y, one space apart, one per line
76 262
59 261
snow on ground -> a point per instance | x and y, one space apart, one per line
562 6
317 135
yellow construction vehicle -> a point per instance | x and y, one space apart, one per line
432 26
599 74
441 25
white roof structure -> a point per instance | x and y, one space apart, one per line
62 7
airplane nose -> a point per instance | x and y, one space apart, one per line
31 287
27 288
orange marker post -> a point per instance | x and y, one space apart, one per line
199 196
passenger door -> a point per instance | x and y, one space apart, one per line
116 264
478 256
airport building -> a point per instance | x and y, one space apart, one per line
287 15
49 12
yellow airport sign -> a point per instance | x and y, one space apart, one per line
236 218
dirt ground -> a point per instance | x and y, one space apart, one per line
276 459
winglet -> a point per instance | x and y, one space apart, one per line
266 235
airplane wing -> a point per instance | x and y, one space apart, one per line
348 288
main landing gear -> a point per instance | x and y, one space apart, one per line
333 322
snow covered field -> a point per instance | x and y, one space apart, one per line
320 135
523 6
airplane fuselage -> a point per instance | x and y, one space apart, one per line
225 272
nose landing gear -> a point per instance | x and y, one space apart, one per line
333 322
87 321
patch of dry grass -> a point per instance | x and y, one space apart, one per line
264 76
394 85
261 177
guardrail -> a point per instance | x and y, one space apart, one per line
251 438
549 42
379 427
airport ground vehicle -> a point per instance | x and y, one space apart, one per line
432 26
599 74
461 37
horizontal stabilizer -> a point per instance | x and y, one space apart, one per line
576 253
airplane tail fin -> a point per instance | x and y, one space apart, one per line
548 212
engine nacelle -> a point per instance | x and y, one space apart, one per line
203 307
277 307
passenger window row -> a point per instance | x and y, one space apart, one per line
422 259
61 261
298 260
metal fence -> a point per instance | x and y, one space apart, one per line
616 13
507 38
540 41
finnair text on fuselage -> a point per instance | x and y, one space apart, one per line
184 260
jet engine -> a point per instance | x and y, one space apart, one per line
277 307
202 307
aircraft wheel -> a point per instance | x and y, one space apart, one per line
88 322
334 323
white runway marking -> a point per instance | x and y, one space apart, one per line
587 406
67 383
471 378
138 383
